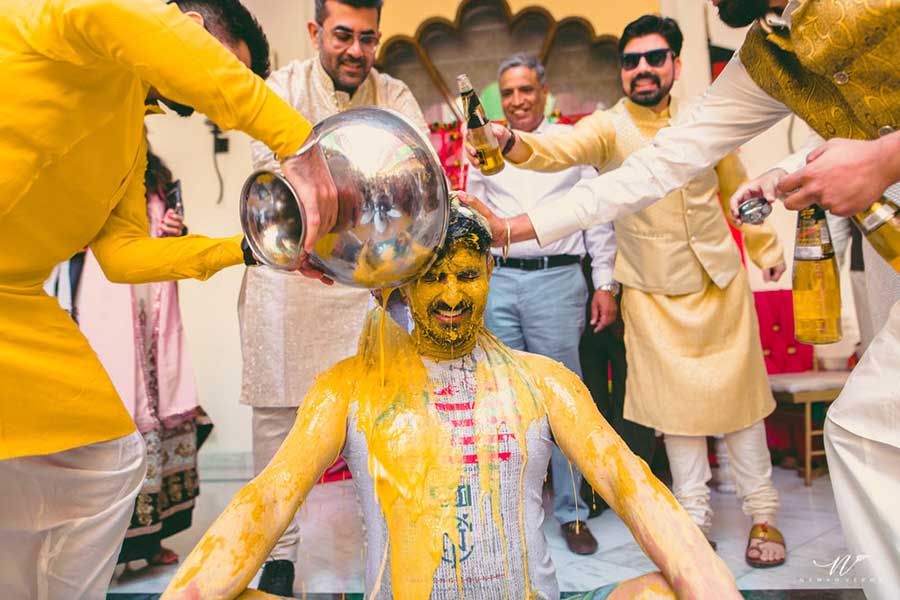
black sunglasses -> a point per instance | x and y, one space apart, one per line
655 58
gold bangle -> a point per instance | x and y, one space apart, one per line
508 240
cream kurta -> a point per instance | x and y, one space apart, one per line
292 327
690 328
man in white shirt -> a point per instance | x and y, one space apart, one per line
292 327
843 82
538 295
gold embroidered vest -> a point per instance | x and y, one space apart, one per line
838 68
687 227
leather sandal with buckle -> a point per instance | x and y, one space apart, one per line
764 533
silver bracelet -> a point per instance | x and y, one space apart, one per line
311 141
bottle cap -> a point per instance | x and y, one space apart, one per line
462 80
755 210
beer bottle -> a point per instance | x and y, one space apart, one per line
480 134
817 289
880 223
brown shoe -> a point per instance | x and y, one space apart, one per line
579 538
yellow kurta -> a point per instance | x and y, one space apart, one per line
72 158
315 326
695 361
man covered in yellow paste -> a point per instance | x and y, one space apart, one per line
449 433
695 362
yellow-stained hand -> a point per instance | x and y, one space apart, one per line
659 524
844 176
764 186
604 309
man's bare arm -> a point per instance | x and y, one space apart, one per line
659 524
237 543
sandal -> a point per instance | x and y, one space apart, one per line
763 532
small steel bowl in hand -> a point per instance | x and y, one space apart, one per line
393 203
755 210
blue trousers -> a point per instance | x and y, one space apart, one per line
544 312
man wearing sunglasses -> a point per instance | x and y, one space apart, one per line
315 326
695 363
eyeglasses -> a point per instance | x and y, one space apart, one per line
654 58
341 39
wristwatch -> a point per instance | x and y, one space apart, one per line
613 288
509 143
249 259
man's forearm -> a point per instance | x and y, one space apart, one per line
521 229
225 560
659 524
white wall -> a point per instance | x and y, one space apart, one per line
210 308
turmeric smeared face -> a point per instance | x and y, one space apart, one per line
448 302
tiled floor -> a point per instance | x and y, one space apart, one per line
331 551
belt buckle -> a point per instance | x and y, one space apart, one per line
546 261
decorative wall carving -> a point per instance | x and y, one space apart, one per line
582 67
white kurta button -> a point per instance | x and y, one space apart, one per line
841 78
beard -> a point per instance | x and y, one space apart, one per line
652 97
740 13
345 82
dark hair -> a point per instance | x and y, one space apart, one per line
742 12
229 19
322 11
467 228
524 60
650 24
157 177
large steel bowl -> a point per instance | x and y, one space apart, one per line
393 202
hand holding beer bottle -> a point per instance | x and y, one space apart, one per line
880 222
485 152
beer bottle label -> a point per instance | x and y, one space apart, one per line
809 253
474 113
881 214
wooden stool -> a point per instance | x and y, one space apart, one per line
802 389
